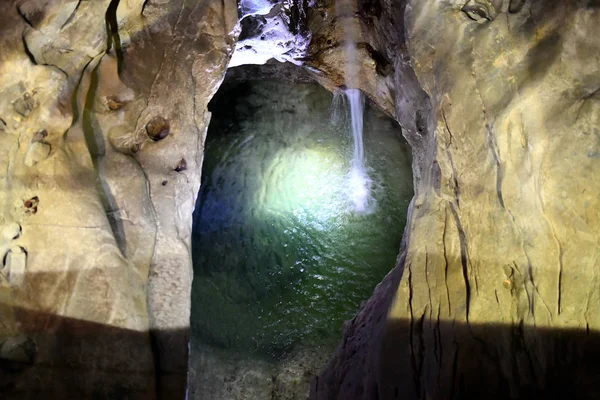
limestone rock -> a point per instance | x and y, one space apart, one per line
37 152
15 263
24 105
72 292
11 232
98 277
495 294
333 25
174 58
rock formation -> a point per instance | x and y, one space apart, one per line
496 293
102 121
103 113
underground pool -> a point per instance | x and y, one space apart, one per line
282 254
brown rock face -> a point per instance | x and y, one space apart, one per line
497 292
86 272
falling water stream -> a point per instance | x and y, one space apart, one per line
359 182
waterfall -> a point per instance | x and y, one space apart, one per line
356 116
339 108
359 183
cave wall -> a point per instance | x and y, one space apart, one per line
496 291
103 118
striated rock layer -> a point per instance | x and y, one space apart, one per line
496 293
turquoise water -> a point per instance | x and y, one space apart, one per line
280 256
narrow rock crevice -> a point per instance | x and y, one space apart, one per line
464 259
112 33
96 145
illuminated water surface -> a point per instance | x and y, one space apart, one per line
281 257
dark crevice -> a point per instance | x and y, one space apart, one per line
5 258
560 276
383 65
112 31
499 178
94 144
294 18
533 284
449 154
447 126
251 26
144 6
516 6
371 8
26 17
446 260
72 16
96 147
499 172
463 258
75 97
28 52
436 177
420 123
454 178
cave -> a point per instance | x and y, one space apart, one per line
282 253
486 286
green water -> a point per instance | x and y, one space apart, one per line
280 258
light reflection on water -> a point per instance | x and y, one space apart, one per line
280 258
